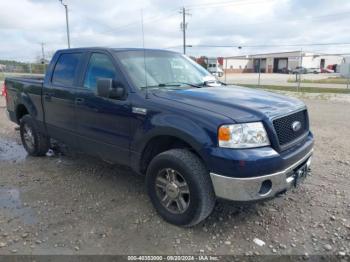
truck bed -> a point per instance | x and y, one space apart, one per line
27 91
32 79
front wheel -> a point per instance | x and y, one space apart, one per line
180 188
34 142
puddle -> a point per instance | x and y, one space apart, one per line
12 207
11 150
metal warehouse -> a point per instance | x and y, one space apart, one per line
279 62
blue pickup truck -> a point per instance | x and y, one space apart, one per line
159 113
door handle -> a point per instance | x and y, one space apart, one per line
79 101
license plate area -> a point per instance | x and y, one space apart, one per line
300 173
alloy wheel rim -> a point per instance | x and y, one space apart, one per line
172 191
28 136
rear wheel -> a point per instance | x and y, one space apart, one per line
34 142
180 188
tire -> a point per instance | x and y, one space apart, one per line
36 143
190 170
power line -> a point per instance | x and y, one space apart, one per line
171 13
224 3
264 45
184 24
289 21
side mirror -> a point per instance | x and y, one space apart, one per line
106 87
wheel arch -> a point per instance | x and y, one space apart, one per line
166 139
21 110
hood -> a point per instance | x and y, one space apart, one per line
238 103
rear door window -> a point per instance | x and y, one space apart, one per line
100 66
66 69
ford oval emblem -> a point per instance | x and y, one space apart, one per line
296 125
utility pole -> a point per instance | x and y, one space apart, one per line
184 27
43 52
67 22
259 71
225 71
301 64
348 83
43 57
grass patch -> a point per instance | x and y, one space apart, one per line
329 80
303 89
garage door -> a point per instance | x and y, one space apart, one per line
282 63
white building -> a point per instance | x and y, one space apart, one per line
344 68
279 62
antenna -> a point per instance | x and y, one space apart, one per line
144 52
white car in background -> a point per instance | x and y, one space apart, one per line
303 70
215 70
313 70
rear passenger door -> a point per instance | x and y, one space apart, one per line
59 98
103 123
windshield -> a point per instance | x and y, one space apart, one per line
162 69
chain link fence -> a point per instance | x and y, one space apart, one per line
288 74
297 71
13 69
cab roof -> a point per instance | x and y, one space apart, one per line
82 49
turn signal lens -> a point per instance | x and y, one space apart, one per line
224 133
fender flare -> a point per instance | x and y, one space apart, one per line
175 126
25 100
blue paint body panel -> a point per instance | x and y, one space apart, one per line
110 129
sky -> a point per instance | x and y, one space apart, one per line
214 28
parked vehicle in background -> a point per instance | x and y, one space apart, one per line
313 70
304 70
329 69
159 113
286 70
214 67
299 70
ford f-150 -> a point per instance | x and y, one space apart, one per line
159 113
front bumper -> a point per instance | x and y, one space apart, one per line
261 187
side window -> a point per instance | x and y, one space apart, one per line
100 66
65 69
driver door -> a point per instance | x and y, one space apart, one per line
103 123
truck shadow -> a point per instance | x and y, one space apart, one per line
224 211
128 181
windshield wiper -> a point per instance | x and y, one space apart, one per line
160 85
207 83
179 84
168 84
172 84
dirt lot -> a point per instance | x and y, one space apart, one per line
79 205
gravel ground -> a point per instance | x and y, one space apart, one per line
78 205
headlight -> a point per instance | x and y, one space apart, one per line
246 135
